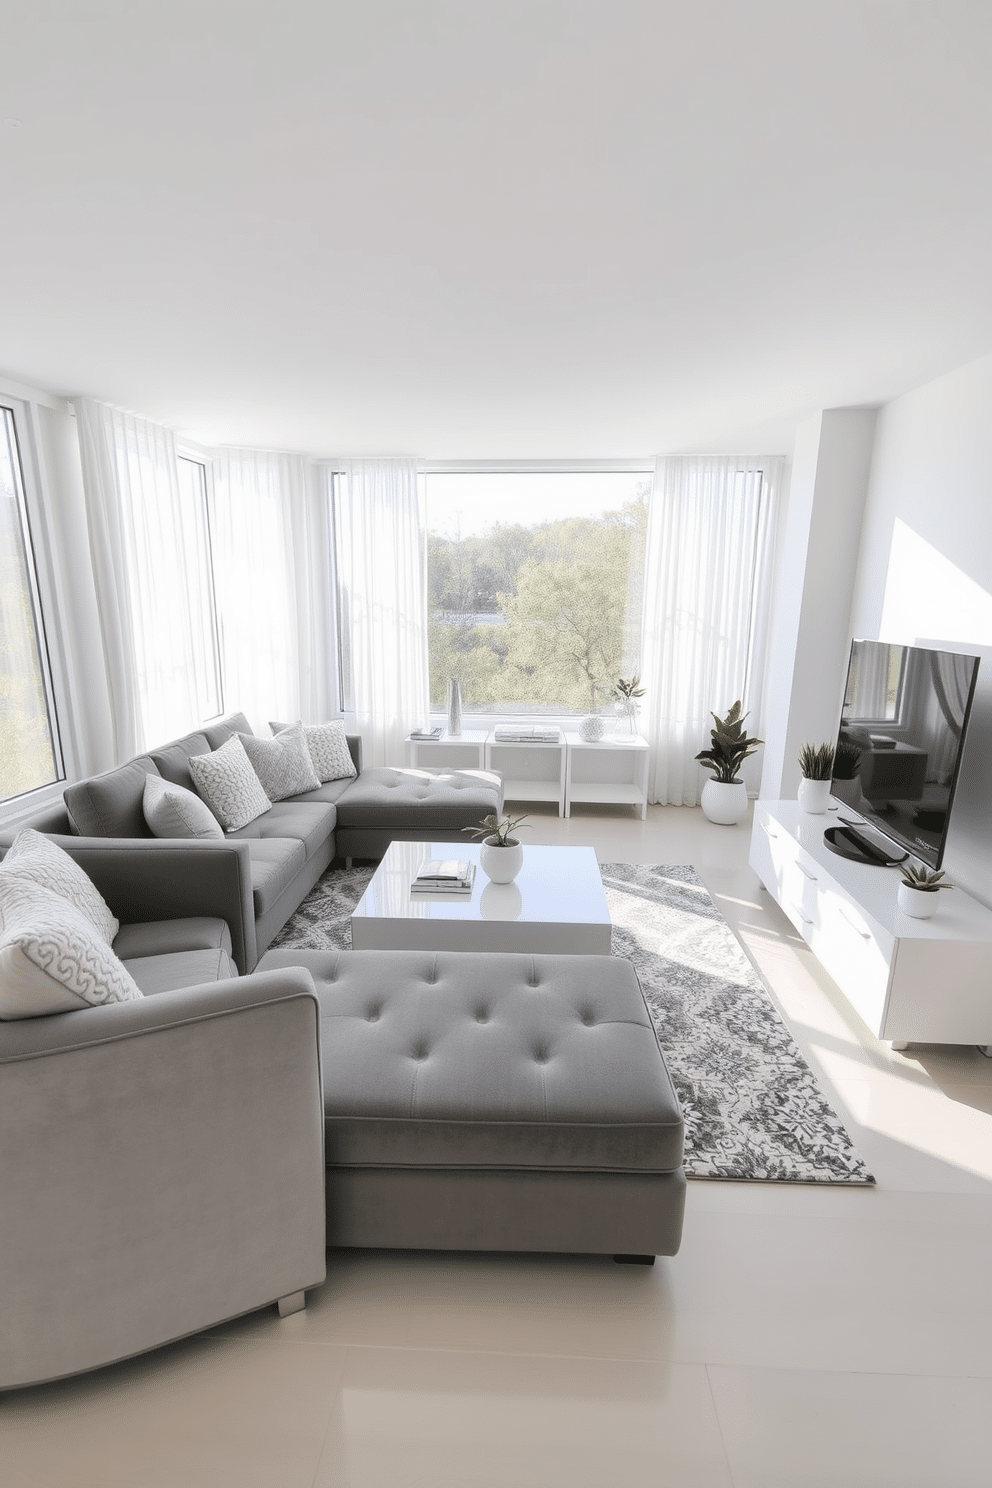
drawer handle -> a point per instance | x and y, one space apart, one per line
811 876
799 915
865 934
767 830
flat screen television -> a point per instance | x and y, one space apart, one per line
899 748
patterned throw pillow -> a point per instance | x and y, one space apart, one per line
52 960
328 748
173 811
229 785
32 856
283 764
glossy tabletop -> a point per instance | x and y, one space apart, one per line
555 904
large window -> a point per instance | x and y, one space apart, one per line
29 754
534 582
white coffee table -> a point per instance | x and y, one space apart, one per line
556 903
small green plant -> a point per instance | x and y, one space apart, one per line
729 748
847 760
625 689
816 761
500 829
928 880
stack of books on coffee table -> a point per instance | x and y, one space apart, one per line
426 733
444 876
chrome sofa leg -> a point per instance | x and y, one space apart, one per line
295 1302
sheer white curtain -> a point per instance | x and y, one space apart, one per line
272 569
706 594
150 554
382 596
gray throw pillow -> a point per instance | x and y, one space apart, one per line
229 785
173 811
328 748
33 856
282 764
52 960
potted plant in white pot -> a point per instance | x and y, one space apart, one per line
724 797
816 761
500 854
918 891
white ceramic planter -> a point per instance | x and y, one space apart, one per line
724 802
814 795
919 904
501 864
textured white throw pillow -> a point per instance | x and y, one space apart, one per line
283 764
33 856
52 960
173 811
328 748
229 785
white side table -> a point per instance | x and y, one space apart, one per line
614 771
531 772
466 751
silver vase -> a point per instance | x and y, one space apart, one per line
454 707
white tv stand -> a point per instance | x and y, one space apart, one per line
912 981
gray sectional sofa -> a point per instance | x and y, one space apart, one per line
170 1162
269 866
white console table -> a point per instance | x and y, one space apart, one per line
530 771
912 981
614 771
464 751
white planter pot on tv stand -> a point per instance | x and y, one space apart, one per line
911 981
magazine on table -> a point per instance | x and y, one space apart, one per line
444 876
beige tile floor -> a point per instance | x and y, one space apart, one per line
803 1336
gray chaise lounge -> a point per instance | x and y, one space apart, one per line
483 1101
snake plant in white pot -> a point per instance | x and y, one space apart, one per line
816 761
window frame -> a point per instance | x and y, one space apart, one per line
44 591
195 456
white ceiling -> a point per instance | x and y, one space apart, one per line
513 229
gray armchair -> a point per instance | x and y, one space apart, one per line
161 1170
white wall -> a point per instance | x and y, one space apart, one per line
925 569
815 571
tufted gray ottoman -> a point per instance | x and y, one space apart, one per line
412 805
483 1101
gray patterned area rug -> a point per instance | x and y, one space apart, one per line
753 1109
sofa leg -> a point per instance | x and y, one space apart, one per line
295 1302
634 1260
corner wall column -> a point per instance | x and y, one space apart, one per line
815 578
